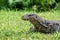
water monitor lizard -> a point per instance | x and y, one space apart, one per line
42 25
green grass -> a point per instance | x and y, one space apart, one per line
12 27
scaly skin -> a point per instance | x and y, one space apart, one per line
41 25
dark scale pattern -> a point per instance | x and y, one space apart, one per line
41 25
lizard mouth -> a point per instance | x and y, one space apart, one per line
24 18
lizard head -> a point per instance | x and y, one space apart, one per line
28 16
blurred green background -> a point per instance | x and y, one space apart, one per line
37 5
12 27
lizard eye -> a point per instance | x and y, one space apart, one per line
36 16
